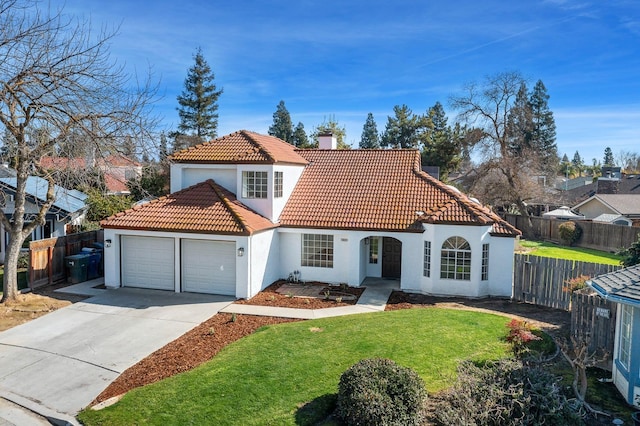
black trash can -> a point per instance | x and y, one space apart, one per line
77 266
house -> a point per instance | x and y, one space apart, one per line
116 169
612 181
69 208
623 287
621 209
248 209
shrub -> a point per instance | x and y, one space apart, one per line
570 232
379 392
631 255
520 333
575 284
505 392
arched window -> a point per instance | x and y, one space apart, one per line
455 260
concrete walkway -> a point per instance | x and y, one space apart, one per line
373 299
57 364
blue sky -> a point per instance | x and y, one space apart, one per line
344 59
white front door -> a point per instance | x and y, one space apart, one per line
209 267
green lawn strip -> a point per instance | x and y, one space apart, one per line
264 378
545 249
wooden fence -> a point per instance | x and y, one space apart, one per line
598 236
540 280
46 257
594 319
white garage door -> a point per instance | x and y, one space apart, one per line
209 267
147 262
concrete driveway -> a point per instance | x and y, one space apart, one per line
57 364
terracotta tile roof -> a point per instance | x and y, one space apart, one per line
378 190
242 147
115 185
203 208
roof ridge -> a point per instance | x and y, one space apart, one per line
223 198
251 137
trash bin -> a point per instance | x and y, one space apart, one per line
93 264
77 268
100 248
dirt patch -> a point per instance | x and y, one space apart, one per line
552 321
283 294
26 307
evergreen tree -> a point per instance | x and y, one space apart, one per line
565 165
128 148
198 101
370 138
442 144
577 163
300 139
282 126
520 123
332 126
608 158
405 129
543 136
164 149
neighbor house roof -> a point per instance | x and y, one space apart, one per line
203 208
67 200
378 190
625 204
622 286
242 147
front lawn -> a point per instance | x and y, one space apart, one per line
544 249
267 378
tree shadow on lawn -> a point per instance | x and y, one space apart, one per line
318 411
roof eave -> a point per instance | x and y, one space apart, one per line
612 297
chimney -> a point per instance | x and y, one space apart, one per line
327 141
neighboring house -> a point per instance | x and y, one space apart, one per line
69 208
623 287
612 181
625 208
116 169
248 209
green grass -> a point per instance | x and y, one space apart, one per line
545 249
265 378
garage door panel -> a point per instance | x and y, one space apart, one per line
147 262
209 267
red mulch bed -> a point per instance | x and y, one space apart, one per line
270 297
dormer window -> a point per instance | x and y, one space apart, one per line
254 184
277 184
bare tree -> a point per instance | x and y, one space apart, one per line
58 82
497 109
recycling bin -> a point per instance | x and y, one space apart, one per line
77 266
94 264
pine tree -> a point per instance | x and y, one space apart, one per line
370 138
577 163
608 158
300 139
442 144
198 101
520 123
405 129
282 126
332 126
543 136
164 149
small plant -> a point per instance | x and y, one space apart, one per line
23 260
327 293
570 232
272 298
212 331
380 392
575 284
234 317
289 295
307 301
339 299
520 333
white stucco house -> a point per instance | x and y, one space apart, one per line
623 287
248 209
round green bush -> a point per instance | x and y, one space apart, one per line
570 232
380 392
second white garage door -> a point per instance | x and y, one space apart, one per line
147 262
209 267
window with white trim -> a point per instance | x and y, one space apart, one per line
485 262
455 259
373 250
254 184
426 271
625 337
277 184
317 250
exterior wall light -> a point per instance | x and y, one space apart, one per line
241 252
107 243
